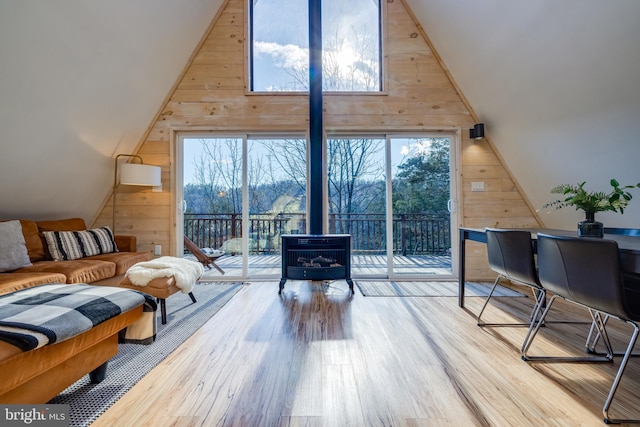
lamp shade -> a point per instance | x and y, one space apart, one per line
137 174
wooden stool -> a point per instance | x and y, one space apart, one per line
161 288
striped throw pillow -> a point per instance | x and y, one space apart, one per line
66 245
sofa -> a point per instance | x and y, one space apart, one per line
34 254
40 266
33 371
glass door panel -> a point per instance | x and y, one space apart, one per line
420 195
390 193
276 185
356 197
212 201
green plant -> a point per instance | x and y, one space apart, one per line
592 202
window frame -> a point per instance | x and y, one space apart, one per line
382 68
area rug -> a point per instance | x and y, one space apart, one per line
88 401
430 289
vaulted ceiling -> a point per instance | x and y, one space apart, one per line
556 84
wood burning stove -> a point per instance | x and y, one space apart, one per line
316 257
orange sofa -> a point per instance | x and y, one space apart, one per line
102 269
36 376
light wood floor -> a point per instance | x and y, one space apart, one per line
317 357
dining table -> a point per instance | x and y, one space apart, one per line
628 247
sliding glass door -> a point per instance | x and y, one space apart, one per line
239 195
213 200
356 182
276 186
421 206
392 193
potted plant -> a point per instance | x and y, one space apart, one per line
591 202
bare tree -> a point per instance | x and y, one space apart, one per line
353 168
279 168
219 173
288 158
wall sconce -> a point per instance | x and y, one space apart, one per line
477 132
133 174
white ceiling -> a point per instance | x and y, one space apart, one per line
556 83
80 82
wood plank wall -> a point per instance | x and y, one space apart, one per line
212 95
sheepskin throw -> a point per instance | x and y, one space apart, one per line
184 271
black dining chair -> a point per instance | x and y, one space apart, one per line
510 254
587 272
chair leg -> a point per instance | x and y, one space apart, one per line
536 318
217 267
616 381
592 341
540 295
599 324
535 327
163 310
495 284
536 294
163 307
594 336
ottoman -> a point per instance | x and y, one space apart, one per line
160 288
163 277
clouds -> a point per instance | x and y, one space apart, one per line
351 45
285 67
283 56
417 147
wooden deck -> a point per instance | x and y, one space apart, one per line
269 266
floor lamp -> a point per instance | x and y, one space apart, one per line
133 174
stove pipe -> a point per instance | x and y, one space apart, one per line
316 152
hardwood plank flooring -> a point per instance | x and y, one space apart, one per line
317 356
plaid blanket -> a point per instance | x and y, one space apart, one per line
47 314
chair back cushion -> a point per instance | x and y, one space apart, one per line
510 253
583 270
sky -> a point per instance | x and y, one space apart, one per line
281 40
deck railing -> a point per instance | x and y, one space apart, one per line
413 234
